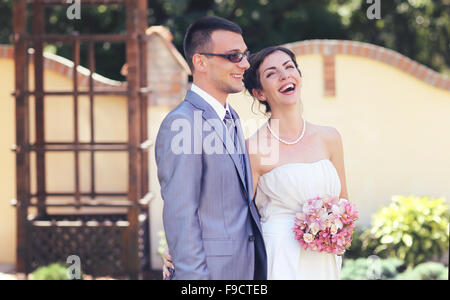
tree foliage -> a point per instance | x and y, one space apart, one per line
418 29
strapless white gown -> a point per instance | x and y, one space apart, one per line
281 193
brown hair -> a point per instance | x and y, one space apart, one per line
198 35
251 76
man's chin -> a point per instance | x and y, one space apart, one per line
235 89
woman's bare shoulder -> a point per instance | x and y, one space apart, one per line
328 133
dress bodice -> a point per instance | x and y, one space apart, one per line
284 189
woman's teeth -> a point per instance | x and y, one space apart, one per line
287 88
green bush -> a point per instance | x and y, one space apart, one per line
54 271
425 271
412 229
356 249
371 268
162 246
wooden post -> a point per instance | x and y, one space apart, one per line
134 135
91 112
22 132
143 97
38 29
76 63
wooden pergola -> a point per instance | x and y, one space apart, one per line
107 244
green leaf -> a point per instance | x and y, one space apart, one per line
387 239
407 240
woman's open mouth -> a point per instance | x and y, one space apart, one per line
287 89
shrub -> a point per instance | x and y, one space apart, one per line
425 271
162 246
371 268
412 229
356 249
56 271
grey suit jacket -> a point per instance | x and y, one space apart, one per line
210 219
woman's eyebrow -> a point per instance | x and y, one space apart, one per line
272 68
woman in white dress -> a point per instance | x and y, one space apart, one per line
304 161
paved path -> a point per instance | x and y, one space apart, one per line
7 272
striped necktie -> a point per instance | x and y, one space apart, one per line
232 130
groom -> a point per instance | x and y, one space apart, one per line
211 223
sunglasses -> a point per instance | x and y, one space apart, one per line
234 57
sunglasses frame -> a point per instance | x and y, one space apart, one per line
229 56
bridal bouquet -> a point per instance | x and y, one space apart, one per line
326 224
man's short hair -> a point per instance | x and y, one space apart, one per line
198 35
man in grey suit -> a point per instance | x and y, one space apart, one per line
210 219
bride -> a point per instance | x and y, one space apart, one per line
309 164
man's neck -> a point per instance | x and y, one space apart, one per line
219 96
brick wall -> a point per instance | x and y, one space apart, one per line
168 72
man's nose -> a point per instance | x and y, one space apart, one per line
244 64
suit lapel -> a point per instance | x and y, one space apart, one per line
247 166
210 116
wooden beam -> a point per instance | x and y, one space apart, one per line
22 132
83 2
131 242
107 92
69 39
38 29
143 97
76 61
91 54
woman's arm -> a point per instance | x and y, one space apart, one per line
254 164
334 141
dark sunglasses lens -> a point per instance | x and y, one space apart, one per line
236 57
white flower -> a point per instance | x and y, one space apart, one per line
317 204
308 238
338 223
326 198
333 229
338 210
314 227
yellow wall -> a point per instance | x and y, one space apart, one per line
7 164
395 128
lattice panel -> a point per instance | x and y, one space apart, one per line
99 247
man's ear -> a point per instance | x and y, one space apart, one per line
259 94
199 62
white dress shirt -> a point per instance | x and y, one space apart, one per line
215 104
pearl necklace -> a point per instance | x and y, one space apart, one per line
286 142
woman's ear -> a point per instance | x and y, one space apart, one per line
199 62
259 94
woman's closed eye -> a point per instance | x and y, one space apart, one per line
287 67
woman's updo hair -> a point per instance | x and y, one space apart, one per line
251 76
